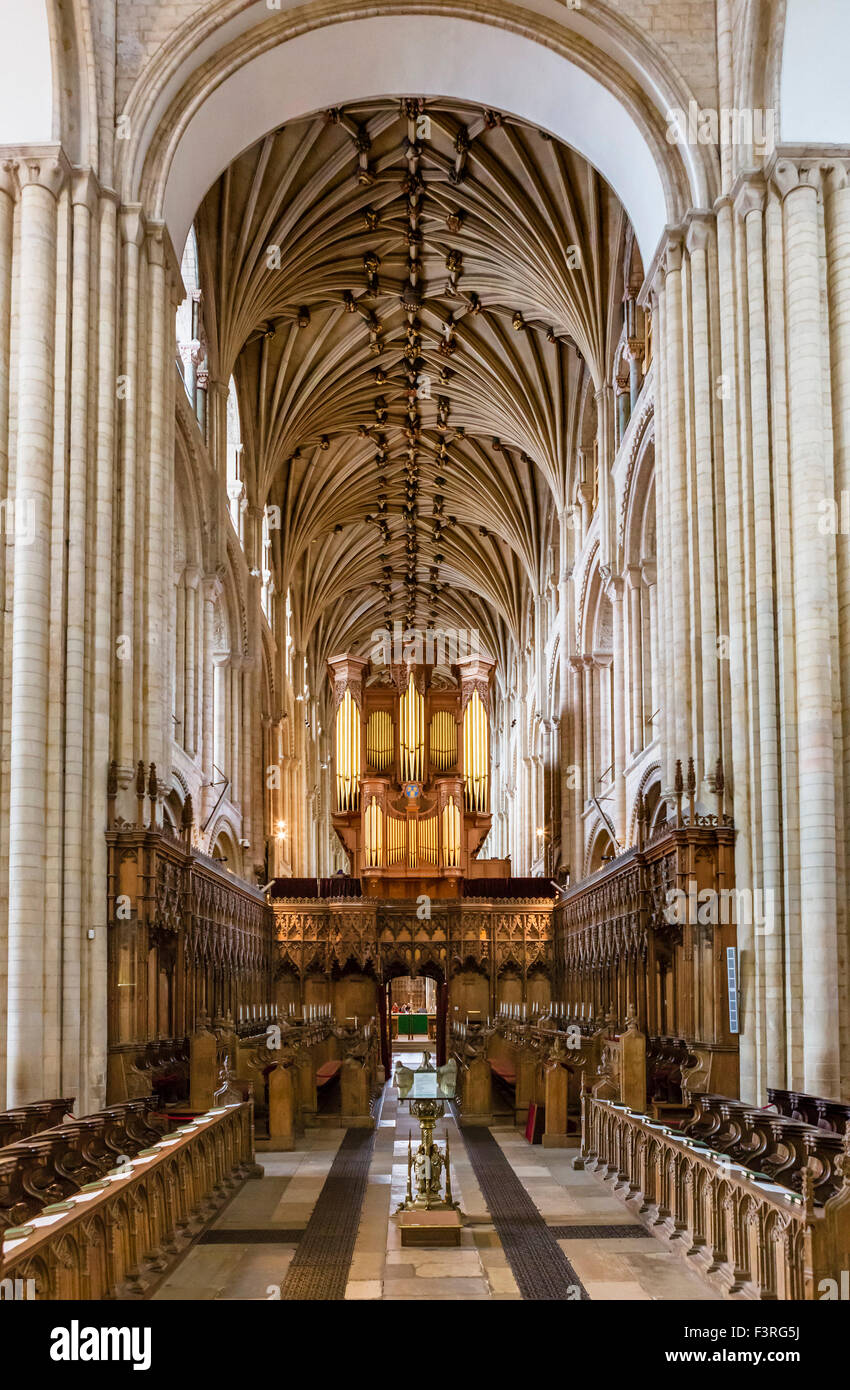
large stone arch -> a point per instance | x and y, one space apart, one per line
595 82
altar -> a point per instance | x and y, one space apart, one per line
419 1025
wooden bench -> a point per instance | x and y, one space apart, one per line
25 1120
326 1073
831 1115
504 1070
775 1145
48 1165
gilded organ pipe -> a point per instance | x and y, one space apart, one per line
443 740
347 755
379 740
373 837
451 835
476 755
412 733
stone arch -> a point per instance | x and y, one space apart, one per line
600 848
578 79
224 845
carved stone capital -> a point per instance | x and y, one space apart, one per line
213 587
649 572
672 255
41 166
699 233
131 223
749 195
797 175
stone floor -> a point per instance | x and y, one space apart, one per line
268 1214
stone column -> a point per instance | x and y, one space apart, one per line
576 678
156 704
191 580
211 588
605 443
235 729
730 470
810 483
837 188
677 534
624 408
619 667
249 706
568 808
129 395
702 537
33 1042
103 577
180 663
220 752
635 663
768 947
635 357
588 721
648 573
75 855
663 545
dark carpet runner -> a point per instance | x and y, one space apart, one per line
320 1265
250 1235
539 1265
601 1233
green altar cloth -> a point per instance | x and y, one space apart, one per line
411 1024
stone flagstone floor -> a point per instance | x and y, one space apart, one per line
279 1206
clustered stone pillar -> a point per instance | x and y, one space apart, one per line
32 1044
811 482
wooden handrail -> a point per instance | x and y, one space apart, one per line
115 1237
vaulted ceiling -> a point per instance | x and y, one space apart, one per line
418 301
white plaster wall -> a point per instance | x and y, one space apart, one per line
26 73
815 89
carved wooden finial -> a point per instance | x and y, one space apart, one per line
692 778
140 780
152 784
188 816
112 780
678 781
719 783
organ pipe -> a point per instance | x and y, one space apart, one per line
347 755
373 836
427 764
443 740
396 840
428 840
379 740
412 715
451 834
476 755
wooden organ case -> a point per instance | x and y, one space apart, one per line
412 776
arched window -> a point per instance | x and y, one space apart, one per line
289 641
235 482
266 570
188 316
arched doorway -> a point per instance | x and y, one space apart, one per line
427 989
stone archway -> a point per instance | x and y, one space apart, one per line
602 88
